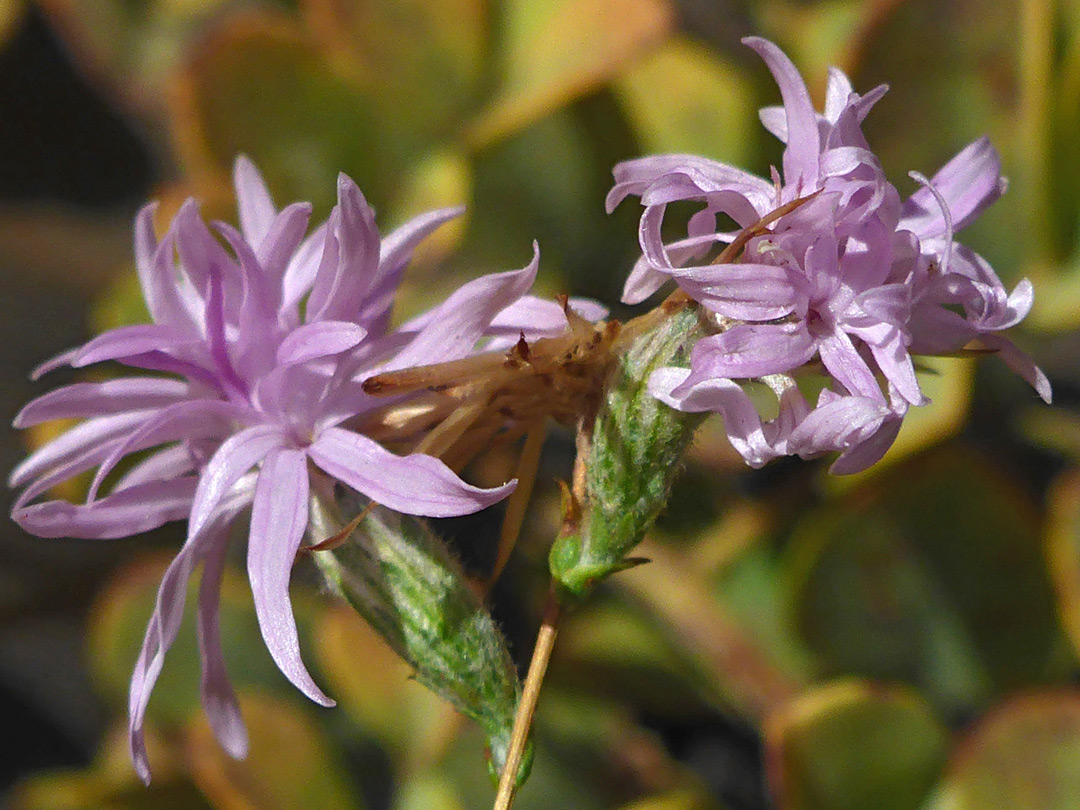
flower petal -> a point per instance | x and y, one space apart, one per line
83 400
803 142
752 350
218 698
133 510
416 484
278 521
458 323
320 339
254 205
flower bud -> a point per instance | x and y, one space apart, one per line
397 574
635 451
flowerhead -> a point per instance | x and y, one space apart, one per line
835 273
256 358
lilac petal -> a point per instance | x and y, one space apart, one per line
460 321
838 423
838 91
278 521
163 627
171 462
540 317
394 255
642 282
156 269
59 361
83 400
197 419
803 145
201 254
870 450
753 292
1021 363
895 363
774 119
254 205
970 182
340 287
218 698
130 511
846 366
281 242
635 176
320 339
752 350
127 341
92 437
741 420
236 456
415 485
398 245
161 632
302 268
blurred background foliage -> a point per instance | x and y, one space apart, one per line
907 639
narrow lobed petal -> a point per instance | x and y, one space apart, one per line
278 521
415 485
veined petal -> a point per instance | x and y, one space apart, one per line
753 292
218 698
237 454
455 325
254 205
752 350
83 400
155 265
970 182
415 485
278 521
320 339
85 438
59 361
130 511
803 143
838 91
165 624
127 341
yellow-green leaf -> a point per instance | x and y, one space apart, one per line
291 762
852 745
1025 755
685 97
556 50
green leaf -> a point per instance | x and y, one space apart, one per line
260 87
852 745
1063 551
1025 755
902 580
421 60
684 97
291 762
539 72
